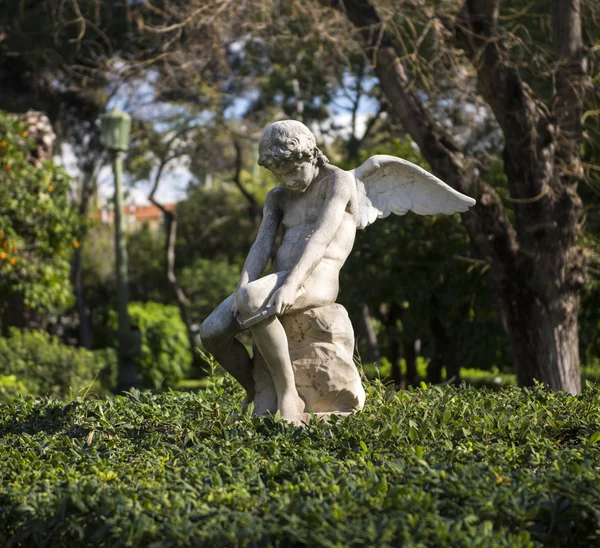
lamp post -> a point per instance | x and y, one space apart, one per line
116 128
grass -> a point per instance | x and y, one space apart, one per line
428 467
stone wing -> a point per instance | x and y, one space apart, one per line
387 184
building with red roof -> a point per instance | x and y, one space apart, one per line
136 216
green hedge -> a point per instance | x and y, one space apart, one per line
165 356
458 467
36 363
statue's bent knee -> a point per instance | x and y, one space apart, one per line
249 300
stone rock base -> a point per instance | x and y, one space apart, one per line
321 344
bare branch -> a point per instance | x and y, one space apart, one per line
571 76
527 132
487 223
371 123
238 180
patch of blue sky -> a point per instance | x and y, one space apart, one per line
343 102
240 105
341 107
138 97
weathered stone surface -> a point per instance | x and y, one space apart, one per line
321 345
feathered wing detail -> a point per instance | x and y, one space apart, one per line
387 184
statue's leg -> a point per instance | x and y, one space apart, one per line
271 340
217 334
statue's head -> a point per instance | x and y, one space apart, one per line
287 141
289 150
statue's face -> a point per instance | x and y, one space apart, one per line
296 176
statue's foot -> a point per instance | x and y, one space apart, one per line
291 410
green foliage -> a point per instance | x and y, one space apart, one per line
99 257
208 283
214 224
146 265
589 323
36 363
490 378
429 467
38 224
147 276
591 371
426 264
165 356
383 371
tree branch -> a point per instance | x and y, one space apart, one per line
371 124
571 76
487 223
238 173
356 100
254 209
528 133
171 233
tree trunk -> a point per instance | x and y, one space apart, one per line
254 208
410 355
86 339
170 218
86 335
391 324
536 268
442 345
539 336
541 160
446 337
182 300
436 363
440 341
445 354
367 331
450 357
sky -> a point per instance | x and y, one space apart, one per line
138 99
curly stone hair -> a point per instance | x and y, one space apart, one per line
287 141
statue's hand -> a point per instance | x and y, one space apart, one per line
283 299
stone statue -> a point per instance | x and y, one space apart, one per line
303 340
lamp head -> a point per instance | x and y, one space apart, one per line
116 129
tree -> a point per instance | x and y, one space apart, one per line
536 267
38 228
147 279
419 277
294 56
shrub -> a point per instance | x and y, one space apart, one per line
459 467
489 378
165 356
38 227
591 371
207 283
36 363
492 378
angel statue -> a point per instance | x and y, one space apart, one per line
319 208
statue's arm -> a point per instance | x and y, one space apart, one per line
260 252
338 195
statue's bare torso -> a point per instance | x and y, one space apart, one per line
316 206
300 213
